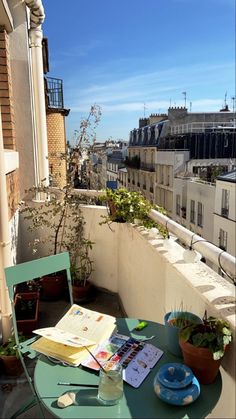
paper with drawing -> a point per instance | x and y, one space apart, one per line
79 327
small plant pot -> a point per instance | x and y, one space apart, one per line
112 211
27 311
201 362
82 293
172 331
52 287
11 365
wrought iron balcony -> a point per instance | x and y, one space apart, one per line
54 93
149 167
225 212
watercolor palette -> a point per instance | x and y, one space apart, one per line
136 357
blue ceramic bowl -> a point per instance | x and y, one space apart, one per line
175 375
183 389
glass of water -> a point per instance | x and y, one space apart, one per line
110 389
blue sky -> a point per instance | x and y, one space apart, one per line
122 54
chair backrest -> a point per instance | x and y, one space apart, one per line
37 268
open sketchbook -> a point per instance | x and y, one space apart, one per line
78 328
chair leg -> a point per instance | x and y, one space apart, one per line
34 400
26 406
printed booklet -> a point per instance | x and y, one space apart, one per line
78 328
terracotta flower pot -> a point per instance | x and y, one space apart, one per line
82 293
27 318
201 362
52 287
11 365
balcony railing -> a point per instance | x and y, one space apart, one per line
225 212
133 162
201 127
54 92
149 167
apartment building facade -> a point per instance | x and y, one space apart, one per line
197 137
225 212
24 125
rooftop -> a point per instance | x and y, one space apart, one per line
228 177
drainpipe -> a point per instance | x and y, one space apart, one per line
35 37
5 246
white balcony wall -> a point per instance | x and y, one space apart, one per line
151 279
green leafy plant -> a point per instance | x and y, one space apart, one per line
179 316
128 206
82 269
58 218
214 334
179 322
9 347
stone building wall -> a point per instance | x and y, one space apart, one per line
8 123
56 146
6 100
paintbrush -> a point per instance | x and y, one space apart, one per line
95 359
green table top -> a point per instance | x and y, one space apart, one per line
136 403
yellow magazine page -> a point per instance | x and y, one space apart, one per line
66 353
59 351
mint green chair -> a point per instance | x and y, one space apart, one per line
24 272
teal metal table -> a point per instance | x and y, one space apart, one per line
136 403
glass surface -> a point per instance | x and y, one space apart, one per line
110 389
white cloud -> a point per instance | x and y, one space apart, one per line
156 89
151 85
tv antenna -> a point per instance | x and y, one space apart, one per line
144 109
185 94
233 101
225 98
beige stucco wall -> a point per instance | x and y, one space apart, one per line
204 193
226 224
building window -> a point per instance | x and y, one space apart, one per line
192 212
168 176
199 214
178 204
161 174
225 203
223 239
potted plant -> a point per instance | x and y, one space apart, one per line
27 311
57 221
9 357
129 206
174 321
203 346
81 269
